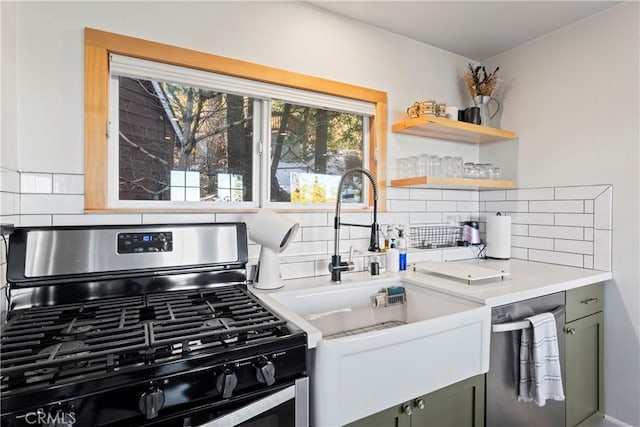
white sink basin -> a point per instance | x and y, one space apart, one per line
368 359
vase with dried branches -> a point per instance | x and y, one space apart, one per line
481 86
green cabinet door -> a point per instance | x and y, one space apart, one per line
584 370
392 417
458 405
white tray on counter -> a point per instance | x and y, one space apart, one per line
461 271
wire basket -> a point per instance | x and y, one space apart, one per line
435 236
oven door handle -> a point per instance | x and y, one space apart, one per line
522 324
299 391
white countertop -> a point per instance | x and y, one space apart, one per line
524 280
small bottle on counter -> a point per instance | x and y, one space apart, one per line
393 257
402 250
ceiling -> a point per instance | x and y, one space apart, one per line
474 29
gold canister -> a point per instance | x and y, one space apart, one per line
420 108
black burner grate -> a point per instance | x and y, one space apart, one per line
48 344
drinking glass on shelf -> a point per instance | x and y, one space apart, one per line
435 166
423 165
402 164
496 173
458 167
413 166
484 170
447 166
469 170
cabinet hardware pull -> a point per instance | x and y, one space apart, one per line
406 408
571 331
589 301
419 403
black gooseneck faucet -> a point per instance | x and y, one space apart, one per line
337 266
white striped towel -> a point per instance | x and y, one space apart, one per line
540 375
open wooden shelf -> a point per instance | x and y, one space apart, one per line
446 182
441 128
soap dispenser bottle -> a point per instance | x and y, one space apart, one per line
393 257
402 249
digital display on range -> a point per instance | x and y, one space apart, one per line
129 243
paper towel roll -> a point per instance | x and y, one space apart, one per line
499 236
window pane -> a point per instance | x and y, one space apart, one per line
310 149
175 141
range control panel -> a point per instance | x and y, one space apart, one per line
129 243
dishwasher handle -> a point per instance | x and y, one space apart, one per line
523 324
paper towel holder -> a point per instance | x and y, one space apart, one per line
498 237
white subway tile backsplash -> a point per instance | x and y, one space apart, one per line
9 181
394 193
316 219
486 195
297 269
353 218
51 204
68 184
176 218
588 233
97 219
454 254
425 218
578 220
394 217
519 253
530 194
307 248
532 242
414 257
602 214
9 203
580 192
36 183
602 250
409 205
574 246
563 258
425 194
352 232
520 229
588 261
467 206
310 234
556 232
462 195
568 206
441 206
508 206
588 206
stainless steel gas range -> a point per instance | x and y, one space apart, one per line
144 326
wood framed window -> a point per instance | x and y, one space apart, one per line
169 173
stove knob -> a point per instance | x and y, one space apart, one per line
265 371
226 382
151 402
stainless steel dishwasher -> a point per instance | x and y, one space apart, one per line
507 323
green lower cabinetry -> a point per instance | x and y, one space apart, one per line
584 333
458 405
584 393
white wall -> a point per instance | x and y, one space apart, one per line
287 35
573 98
